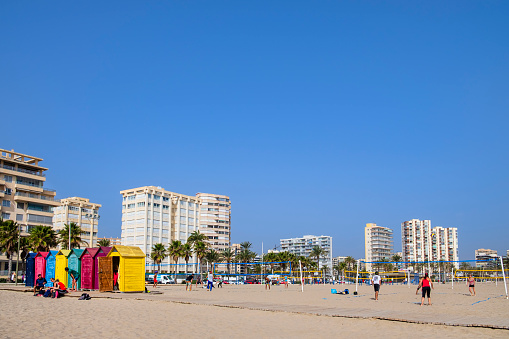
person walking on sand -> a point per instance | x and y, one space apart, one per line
376 280
426 285
210 281
286 281
471 284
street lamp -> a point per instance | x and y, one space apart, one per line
92 217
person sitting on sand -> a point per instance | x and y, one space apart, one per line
58 289
471 284
426 285
39 285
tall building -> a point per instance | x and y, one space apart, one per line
215 219
23 197
378 244
152 215
303 247
486 254
82 212
420 242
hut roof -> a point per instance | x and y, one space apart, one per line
77 251
64 252
105 249
128 251
42 254
32 255
90 250
53 253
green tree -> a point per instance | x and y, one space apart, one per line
42 238
350 263
212 256
187 252
228 256
103 243
317 252
200 249
158 254
196 237
76 233
9 234
175 252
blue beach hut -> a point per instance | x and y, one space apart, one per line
50 266
74 263
30 267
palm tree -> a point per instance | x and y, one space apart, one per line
9 234
76 233
196 237
212 257
200 249
396 258
187 252
228 256
42 238
350 262
103 243
342 267
316 252
245 254
175 251
158 254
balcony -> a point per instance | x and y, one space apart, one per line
35 198
27 187
12 170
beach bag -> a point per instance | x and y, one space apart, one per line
85 296
47 294
346 291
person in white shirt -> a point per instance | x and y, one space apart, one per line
376 280
210 281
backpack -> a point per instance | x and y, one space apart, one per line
47 294
85 296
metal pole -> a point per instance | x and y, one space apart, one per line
357 276
69 236
301 280
262 260
503 276
452 277
17 259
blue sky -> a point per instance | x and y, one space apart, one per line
314 117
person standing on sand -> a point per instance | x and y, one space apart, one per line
75 276
286 281
155 279
189 282
426 285
376 280
471 284
210 281
267 282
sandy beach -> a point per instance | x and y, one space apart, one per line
251 311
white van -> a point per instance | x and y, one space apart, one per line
161 279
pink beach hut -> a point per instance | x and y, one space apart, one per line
90 266
40 264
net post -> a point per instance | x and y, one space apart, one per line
503 276
301 281
357 276
452 277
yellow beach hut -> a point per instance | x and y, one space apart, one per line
129 263
60 265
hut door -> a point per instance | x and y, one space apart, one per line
105 274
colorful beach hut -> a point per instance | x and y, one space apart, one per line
30 270
60 265
50 266
129 261
103 251
40 264
89 268
74 263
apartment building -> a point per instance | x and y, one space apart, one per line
82 212
303 247
215 219
421 242
113 241
486 254
378 244
152 215
337 260
23 197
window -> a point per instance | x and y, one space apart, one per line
182 211
8 191
141 204
8 178
40 218
157 197
6 215
157 205
183 203
19 217
74 208
166 207
166 199
6 203
130 205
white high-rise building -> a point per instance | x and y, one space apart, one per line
152 215
420 242
215 219
303 246
378 244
